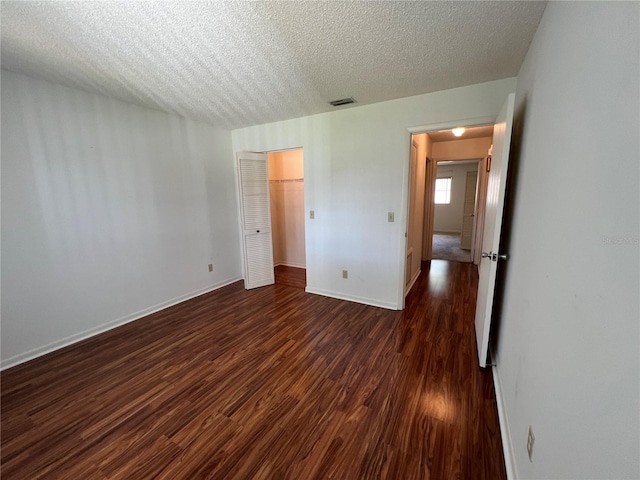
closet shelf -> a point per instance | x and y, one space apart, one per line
287 180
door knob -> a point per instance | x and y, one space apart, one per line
495 256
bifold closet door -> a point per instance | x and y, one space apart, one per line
257 243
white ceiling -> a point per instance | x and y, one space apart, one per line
236 64
473 132
452 163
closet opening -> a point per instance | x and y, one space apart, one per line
286 193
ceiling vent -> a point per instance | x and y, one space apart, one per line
342 101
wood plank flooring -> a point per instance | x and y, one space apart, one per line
291 276
271 383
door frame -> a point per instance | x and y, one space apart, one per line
239 202
426 128
428 233
475 207
481 190
411 204
303 197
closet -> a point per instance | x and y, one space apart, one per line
286 189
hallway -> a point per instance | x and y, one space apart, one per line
447 247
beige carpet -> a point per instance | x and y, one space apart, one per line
447 247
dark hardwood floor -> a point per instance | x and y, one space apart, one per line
291 276
269 383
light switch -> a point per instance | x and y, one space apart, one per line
312 214
390 217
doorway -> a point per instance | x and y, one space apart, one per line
286 197
447 153
454 210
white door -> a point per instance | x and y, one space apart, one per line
492 225
257 247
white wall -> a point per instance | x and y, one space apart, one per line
286 185
356 165
448 217
568 345
109 211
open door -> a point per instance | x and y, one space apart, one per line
499 163
257 248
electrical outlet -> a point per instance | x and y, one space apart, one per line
390 217
312 214
345 273
211 267
531 439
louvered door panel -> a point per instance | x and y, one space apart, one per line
259 259
255 194
256 219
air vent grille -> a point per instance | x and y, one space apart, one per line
342 101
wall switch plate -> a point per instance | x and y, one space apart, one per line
531 439
345 273
211 267
312 214
390 217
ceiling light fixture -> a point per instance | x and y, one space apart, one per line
458 131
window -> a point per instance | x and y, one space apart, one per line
443 190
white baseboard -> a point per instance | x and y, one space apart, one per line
505 432
38 352
352 298
286 264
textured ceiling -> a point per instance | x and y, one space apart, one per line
236 64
